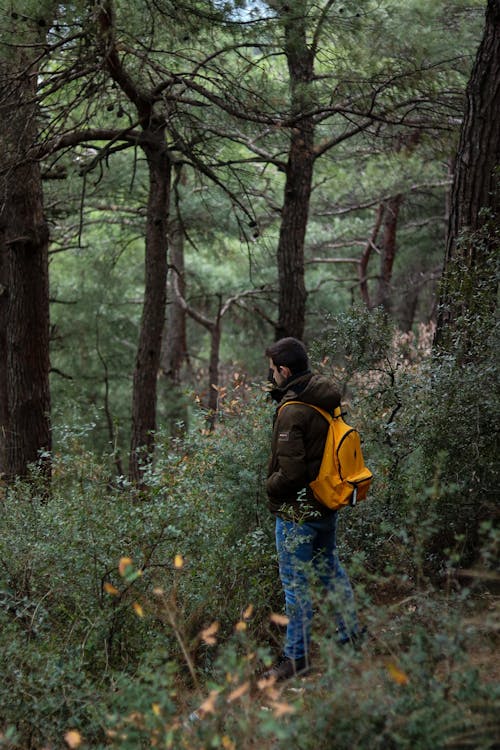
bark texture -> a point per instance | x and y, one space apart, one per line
147 363
24 301
475 183
174 346
299 174
388 252
475 197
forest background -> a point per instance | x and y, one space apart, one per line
182 183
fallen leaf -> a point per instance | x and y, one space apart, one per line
281 709
124 563
208 635
138 609
279 619
178 562
227 743
238 692
267 684
110 589
248 612
397 674
156 709
73 738
240 626
208 705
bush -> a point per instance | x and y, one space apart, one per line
428 422
122 616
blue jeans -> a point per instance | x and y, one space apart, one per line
305 549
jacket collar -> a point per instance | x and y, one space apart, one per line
292 387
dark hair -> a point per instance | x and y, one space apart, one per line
289 352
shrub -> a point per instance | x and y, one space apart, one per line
121 616
430 438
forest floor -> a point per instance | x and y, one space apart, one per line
383 658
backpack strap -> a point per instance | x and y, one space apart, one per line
337 412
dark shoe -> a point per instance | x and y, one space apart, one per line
285 668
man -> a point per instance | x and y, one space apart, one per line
305 529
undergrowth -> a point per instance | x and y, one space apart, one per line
133 621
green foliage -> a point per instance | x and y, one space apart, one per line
430 435
122 615
64 598
468 326
234 53
141 619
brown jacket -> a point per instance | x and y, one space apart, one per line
298 441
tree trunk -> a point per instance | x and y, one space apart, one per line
388 255
153 143
4 401
174 346
153 315
472 237
174 342
292 289
299 174
213 369
365 257
408 307
24 346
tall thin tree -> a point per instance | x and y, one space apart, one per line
153 143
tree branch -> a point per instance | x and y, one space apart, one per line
319 26
75 138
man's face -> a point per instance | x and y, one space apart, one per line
280 374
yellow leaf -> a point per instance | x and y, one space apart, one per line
281 709
124 564
110 589
208 705
227 743
248 612
279 619
178 562
397 674
156 709
267 684
241 626
238 692
73 738
208 635
138 609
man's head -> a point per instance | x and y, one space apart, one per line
287 357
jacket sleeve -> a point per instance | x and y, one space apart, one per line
288 469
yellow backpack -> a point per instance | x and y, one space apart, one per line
343 477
